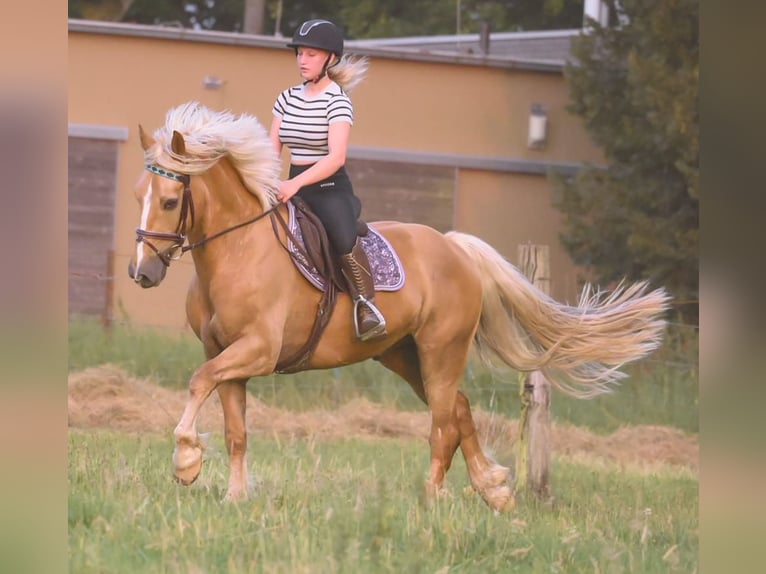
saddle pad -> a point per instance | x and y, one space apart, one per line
387 271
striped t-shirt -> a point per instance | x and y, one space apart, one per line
306 120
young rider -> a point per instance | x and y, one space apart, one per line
314 119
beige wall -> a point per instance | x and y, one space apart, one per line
507 210
418 106
450 108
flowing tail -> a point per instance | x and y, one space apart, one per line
579 349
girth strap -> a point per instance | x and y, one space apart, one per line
298 360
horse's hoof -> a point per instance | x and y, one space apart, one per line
187 476
509 505
188 465
184 481
500 499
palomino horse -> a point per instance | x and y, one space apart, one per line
211 180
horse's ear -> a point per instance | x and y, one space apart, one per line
177 145
146 140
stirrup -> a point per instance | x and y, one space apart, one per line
379 329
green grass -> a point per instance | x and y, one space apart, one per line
356 506
661 390
171 358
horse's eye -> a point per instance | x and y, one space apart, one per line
169 204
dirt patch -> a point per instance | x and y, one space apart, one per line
107 397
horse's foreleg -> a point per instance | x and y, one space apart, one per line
187 455
243 359
233 401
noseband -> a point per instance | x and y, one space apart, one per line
177 248
178 238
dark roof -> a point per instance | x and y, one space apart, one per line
545 51
551 48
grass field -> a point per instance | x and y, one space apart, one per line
661 390
355 506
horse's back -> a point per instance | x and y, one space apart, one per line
435 267
417 243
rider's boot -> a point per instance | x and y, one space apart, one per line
368 320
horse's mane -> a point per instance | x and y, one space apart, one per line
210 135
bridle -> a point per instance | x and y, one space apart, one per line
185 222
187 211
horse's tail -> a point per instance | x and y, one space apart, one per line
579 349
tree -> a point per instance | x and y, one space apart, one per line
517 15
396 18
255 10
358 18
635 86
98 9
224 15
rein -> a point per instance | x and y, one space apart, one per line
201 242
177 248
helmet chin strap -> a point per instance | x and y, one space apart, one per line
324 69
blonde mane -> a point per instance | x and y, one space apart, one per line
211 135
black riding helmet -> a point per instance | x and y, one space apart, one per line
321 34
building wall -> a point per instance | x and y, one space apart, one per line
405 192
510 210
91 173
442 118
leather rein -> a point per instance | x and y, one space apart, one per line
185 221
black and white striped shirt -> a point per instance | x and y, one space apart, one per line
306 120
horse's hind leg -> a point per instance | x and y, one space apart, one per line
405 362
233 401
488 478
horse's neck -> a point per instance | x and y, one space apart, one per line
227 203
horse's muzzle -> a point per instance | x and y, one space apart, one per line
151 273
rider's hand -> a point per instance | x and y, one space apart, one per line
287 189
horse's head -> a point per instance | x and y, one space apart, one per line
251 170
166 213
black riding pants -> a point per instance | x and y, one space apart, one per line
335 204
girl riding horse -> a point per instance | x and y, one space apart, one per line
314 119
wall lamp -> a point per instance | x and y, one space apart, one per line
537 127
212 82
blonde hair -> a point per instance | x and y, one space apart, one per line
349 72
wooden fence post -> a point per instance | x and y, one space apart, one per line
533 459
106 315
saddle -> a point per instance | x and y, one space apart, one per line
310 249
385 266
312 242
